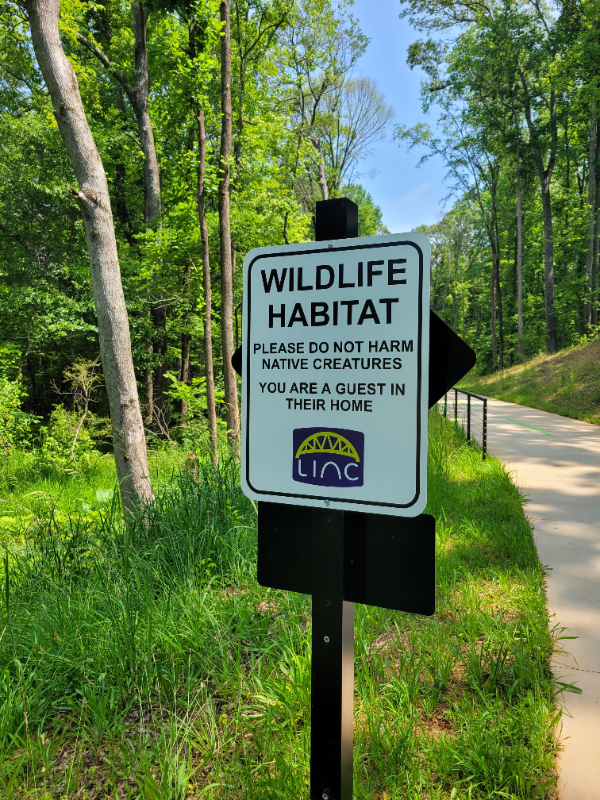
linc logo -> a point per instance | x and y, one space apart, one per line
329 457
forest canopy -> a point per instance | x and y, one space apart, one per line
513 88
297 125
220 124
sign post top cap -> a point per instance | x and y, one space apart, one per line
336 219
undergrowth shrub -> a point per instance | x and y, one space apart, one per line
67 442
15 424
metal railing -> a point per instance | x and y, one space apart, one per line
470 414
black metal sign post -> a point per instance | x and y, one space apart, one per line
332 666
343 557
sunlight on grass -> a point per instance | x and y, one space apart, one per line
566 383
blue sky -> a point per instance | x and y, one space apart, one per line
407 196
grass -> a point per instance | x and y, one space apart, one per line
31 490
566 383
145 662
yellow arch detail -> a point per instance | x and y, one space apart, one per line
327 442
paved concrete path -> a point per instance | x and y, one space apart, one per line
555 463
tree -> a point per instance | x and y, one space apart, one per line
229 375
94 202
138 96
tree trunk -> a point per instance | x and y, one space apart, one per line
149 419
140 108
161 405
120 176
94 201
545 176
589 256
323 176
229 375
520 257
594 303
185 373
500 318
237 149
498 286
138 98
550 316
493 312
455 307
184 376
206 285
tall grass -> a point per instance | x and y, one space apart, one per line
143 660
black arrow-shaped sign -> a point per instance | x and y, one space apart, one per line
449 359
374 543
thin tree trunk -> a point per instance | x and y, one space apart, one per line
150 391
498 287
161 409
120 176
455 304
142 115
206 284
184 377
94 201
563 327
138 96
152 207
520 257
500 319
550 316
229 375
237 149
323 176
545 176
493 312
589 257
447 289
594 302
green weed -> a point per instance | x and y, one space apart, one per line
143 661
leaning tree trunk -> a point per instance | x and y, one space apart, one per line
229 375
94 202
206 285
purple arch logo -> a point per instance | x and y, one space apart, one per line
329 457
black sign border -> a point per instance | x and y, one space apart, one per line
246 377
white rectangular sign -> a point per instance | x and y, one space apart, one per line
335 374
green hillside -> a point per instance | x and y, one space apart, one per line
566 383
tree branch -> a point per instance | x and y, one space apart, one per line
117 74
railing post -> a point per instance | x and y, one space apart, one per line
484 436
446 405
468 417
456 405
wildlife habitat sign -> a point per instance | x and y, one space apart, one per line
335 374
